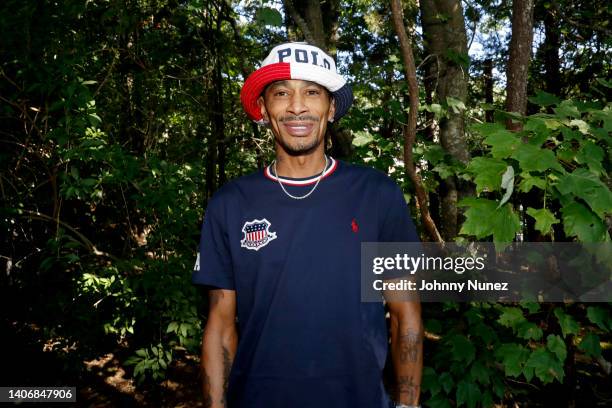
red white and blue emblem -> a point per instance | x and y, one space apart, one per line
257 234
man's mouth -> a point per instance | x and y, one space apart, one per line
298 128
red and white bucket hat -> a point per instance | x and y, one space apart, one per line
296 60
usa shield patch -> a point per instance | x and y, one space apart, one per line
257 234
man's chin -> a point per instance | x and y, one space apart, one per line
300 148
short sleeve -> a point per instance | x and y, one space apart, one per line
214 264
396 224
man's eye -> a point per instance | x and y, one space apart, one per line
313 92
280 93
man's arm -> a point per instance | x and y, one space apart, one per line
218 346
407 349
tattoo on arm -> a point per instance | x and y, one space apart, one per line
407 387
409 346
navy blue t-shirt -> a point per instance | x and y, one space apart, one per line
306 339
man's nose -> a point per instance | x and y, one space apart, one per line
296 104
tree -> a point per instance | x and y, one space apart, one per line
519 58
445 40
409 129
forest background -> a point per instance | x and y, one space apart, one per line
119 120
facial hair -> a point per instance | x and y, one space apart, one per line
300 148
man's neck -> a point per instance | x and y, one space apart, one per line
301 166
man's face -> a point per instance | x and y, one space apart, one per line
298 112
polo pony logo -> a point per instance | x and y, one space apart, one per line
257 234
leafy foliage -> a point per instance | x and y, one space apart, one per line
118 120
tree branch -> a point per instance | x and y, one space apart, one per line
301 23
409 130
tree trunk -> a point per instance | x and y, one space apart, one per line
410 128
318 23
552 42
316 20
446 40
488 88
518 61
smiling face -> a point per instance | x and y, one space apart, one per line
298 112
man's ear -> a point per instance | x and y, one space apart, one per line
262 108
332 110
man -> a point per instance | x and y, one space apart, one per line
280 250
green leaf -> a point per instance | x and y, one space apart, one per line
532 307
503 223
487 399
503 143
528 372
528 182
567 109
444 170
591 155
269 16
590 345
529 331
141 353
461 348
513 356
487 173
132 361
580 222
544 99
430 381
546 367
468 393
480 373
567 323
511 317
362 138
459 58
607 84
95 119
544 219
172 327
435 108
434 153
534 158
586 185
485 332
556 345
455 104
600 317
447 382
183 328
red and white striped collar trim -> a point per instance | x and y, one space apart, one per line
301 182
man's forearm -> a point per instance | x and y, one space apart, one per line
218 353
407 356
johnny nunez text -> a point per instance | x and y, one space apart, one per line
435 286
